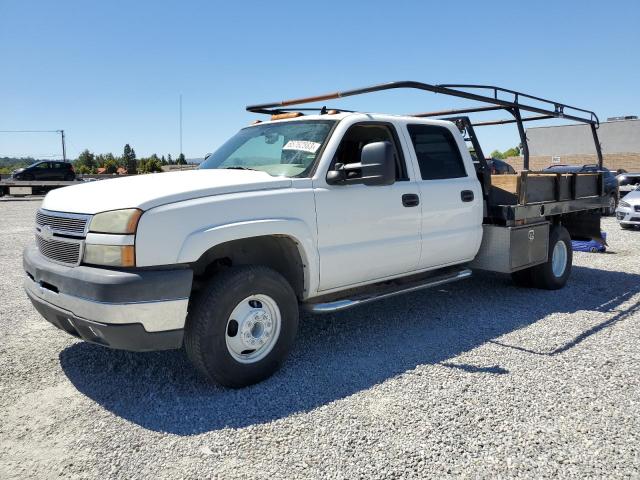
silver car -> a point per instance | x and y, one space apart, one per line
628 211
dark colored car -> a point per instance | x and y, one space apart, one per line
499 167
48 170
610 181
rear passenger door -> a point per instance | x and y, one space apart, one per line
451 196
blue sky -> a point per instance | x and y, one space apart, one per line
111 72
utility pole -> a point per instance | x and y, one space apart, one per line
181 124
64 149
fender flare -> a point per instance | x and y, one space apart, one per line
199 242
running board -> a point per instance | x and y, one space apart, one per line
363 298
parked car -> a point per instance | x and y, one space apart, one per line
499 167
48 170
627 182
610 182
628 211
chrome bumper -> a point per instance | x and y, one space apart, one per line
154 316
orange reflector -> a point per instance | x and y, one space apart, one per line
128 256
282 116
132 224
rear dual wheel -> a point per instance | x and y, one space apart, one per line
554 273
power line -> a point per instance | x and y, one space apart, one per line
61 132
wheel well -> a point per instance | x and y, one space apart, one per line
278 252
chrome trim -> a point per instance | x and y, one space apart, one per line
343 304
73 216
79 242
154 316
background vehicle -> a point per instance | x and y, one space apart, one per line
48 170
628 212
627 182
324 212
499 167
610 182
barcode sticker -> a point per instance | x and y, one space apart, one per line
303 145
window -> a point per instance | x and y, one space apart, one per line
362 134
281 149
42 165
437 152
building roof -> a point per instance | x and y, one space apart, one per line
615 137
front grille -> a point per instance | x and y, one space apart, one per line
60 250
66 223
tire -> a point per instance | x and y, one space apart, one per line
613 204
69 177
546 275
27 177
523 278
267 311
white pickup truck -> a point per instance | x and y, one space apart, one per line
323 211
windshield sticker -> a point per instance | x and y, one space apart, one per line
302 145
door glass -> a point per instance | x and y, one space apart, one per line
437 152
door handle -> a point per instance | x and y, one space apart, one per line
466 196
410 200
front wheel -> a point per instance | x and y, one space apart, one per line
242 326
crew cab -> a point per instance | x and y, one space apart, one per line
321 211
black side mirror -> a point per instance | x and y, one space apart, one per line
207 155
378 164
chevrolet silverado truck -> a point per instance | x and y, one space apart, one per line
317 209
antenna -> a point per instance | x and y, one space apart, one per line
180 124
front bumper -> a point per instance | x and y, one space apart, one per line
129 310
628 215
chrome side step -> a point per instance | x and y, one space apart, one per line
363 298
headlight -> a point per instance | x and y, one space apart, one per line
116 221
624 204
110 255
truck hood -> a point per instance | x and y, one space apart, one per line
152 190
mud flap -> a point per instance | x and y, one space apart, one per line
584 226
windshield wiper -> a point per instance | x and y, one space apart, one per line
239 168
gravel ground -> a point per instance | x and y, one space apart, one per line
479 379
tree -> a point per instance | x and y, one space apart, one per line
111 166
181 160
86 162
164 160
497 154
169 160
129 160
512 152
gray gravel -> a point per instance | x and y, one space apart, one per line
479 379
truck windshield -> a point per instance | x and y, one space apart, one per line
282 149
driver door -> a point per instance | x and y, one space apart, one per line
367 233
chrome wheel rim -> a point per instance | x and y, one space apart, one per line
559 259
253 328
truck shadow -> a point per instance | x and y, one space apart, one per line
339 355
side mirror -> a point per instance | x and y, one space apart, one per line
378 164
207 155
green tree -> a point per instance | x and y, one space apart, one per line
86 162
169 160
111 166
497 154
164 160
512 152
129 160
181 160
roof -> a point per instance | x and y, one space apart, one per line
615 137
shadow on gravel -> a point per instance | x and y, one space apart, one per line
340 355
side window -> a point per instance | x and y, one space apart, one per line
43 165
437 152
362 134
